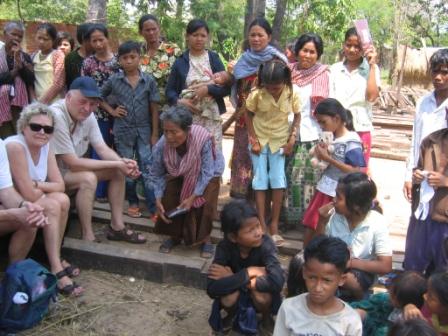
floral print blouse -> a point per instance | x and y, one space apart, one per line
159 65
100 71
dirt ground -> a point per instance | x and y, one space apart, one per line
116 305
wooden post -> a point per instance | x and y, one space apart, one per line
400 80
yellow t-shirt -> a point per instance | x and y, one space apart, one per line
271 117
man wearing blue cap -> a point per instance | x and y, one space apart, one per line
75 129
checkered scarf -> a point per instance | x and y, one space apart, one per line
317 75
189 166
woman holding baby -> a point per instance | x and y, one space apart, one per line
198 81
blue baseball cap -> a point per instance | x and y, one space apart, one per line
87 86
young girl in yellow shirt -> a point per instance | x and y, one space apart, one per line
271 137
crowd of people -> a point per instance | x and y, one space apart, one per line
93 123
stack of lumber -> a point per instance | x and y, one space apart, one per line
404 102
392 135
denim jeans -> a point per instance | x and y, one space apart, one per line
136 145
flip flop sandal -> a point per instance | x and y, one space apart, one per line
167 245
71 270
278 240
207 250
72 289
123 235
134 212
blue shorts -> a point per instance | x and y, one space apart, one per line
268 169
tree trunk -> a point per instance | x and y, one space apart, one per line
96 11
254 9
179 9
278 20
248 15
19 11
260 8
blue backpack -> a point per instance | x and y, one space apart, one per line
25 294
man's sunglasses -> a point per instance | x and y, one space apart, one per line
38 127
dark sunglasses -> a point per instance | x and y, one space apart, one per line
37 128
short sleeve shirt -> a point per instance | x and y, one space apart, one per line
294 318
428 118
271 117
350 89
136 100
5 175
72 137
368 240
159 65
347 149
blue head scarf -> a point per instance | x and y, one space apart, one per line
250 61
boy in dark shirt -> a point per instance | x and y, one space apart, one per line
245 265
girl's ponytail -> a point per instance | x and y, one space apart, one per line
349 120
259 75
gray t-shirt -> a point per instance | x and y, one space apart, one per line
295 319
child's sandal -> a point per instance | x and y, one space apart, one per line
134 212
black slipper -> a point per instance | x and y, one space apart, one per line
69 290
71 270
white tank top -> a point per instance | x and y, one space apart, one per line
37 172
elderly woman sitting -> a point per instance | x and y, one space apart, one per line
37 178
185 174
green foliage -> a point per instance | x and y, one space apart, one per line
429 20
328 18
225 20
380 21
118 18
73 11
